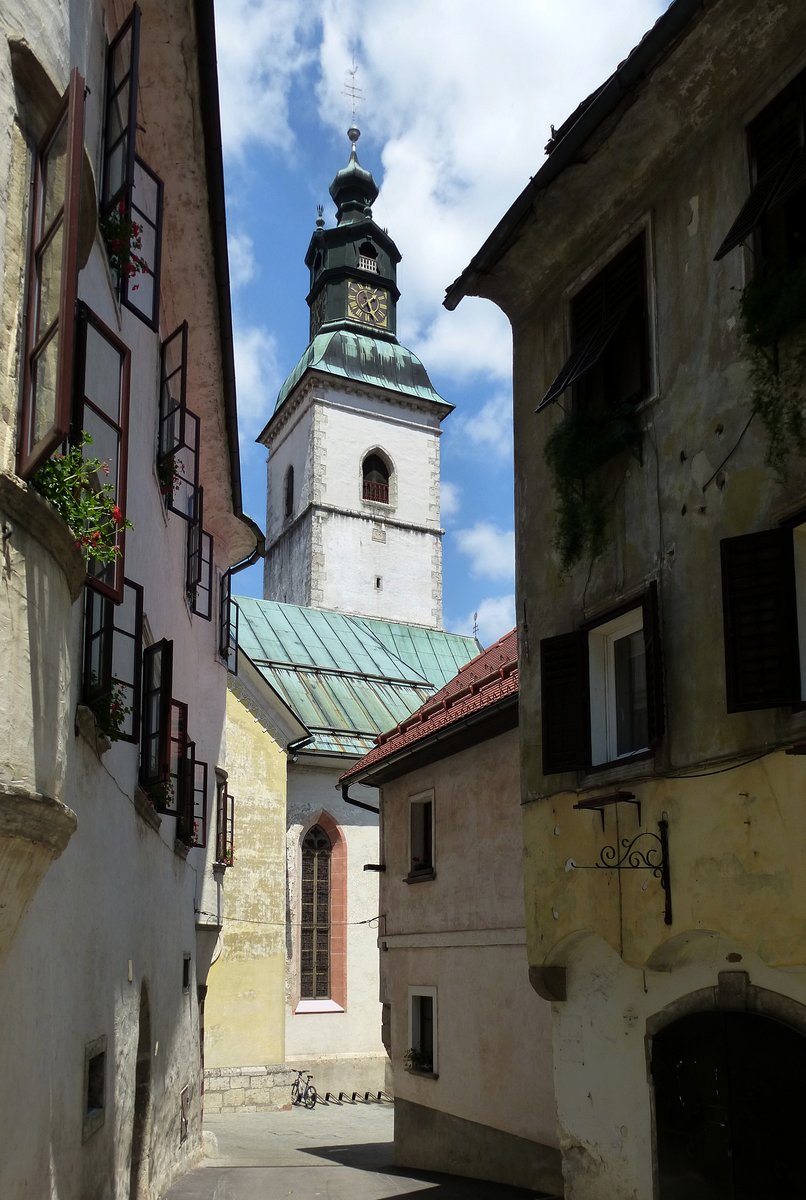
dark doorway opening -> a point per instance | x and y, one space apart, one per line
139 1171
730 1108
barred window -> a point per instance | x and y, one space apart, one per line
315 920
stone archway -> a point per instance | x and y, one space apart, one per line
141 1122
727 1068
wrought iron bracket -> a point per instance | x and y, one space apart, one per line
651 855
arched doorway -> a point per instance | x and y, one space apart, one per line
730 1107
139 1170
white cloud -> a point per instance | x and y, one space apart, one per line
458 101
491 550
451 499
261 48
487 432
257 376
494 616
242 266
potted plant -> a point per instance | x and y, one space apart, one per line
71 482
110 711
418 1060
123 239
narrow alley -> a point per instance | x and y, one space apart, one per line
342 1153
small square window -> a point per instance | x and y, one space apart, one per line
421 837
421 1053
94 1086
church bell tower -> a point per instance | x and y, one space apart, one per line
353 495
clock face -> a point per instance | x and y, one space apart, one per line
370 305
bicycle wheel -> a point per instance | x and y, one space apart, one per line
295 1096
310 1097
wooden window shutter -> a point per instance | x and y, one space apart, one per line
760 617
654 666
565 693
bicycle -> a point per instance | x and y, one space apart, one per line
303 1093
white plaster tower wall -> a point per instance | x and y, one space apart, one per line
337 550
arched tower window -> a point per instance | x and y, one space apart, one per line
315 915
375 474
288 507
368 257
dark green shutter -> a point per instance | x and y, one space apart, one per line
760 615
565 695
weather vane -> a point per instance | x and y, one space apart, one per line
351 90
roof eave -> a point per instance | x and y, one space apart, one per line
469 731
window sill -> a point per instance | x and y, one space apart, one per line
629 767
421 1073
146 809
87 728
318 1006
420 876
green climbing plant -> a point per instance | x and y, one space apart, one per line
773 316
582 442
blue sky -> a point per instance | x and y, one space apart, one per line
457 100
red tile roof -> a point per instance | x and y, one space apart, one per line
482 683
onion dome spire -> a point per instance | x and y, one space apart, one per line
353 190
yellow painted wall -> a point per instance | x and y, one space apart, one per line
736 861
245 1011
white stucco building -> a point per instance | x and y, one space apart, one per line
115 817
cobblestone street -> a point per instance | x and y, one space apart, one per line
341 1153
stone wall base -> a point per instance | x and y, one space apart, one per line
344 1072
430 1140
247 1089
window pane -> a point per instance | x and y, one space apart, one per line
50 282
54 175
629 663
43 389
102 374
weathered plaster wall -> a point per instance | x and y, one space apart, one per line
463 933
672 161
245 1005
114 918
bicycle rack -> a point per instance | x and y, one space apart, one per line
354 1098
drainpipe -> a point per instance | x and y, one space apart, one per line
345 788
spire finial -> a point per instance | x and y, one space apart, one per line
353 93
320 216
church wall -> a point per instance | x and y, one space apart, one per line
245 1010
343 1050
379 570
292 446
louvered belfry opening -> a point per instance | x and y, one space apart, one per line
315 918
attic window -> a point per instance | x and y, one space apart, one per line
368 257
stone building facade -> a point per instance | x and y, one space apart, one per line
114 810
653 275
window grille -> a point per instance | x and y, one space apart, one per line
113 648
315 916
375 479
368 264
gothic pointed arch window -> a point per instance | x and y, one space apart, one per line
375 479
315 915
322 944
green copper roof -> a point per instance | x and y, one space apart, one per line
365 359
347 678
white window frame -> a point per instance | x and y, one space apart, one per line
416 991
601 667
422 798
